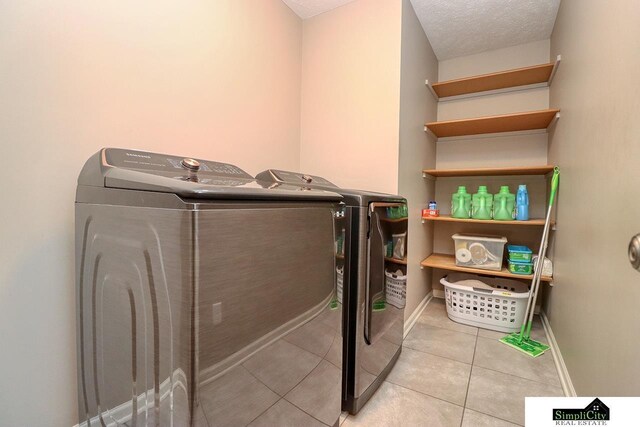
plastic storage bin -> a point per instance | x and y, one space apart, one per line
519 253
396 288
487 302
399 245
520 267
479 251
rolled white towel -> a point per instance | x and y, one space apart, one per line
547 265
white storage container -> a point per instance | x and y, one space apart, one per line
396 288
479 251
399 245
487 302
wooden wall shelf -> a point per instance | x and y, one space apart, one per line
536 74
525 170
394 219
447 262
448 218
396 261
516 122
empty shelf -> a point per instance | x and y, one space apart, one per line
501 80
515 122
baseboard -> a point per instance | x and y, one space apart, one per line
123 413
438 293
563 373
416 313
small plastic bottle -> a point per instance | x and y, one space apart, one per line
522 203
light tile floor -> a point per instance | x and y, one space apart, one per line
456 375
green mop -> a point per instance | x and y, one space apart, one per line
522 341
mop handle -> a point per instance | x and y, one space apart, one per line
528 314
535 284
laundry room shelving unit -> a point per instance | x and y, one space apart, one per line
521 170
448 218
516 122
448 262
488 126
517 78
396 260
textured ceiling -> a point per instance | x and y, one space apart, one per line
464 27
308 8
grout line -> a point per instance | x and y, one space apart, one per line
519 377
437 355
493 416
425 394
453 330
466 396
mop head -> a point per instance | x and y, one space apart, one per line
379 305
526 345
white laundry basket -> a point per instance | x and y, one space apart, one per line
486 302
396 292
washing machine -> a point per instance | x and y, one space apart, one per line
203 298
371 266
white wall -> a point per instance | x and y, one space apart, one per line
351 95
417 149
593 310
217 80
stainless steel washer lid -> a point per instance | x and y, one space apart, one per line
186 177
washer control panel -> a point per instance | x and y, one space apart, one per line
164 164
191 164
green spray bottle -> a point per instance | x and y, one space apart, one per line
461 203
481 204
504 204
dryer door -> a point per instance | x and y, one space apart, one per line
384 315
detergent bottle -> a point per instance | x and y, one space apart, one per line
522 203
481 204
504 204
461 203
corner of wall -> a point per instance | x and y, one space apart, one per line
417 149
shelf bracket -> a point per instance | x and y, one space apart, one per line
493 135
429 177
433 92
427 130
555 68
554 120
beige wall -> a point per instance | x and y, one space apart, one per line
351 95
593 309
521 150
492 151
417 148
218 80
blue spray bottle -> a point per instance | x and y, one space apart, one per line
522 203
